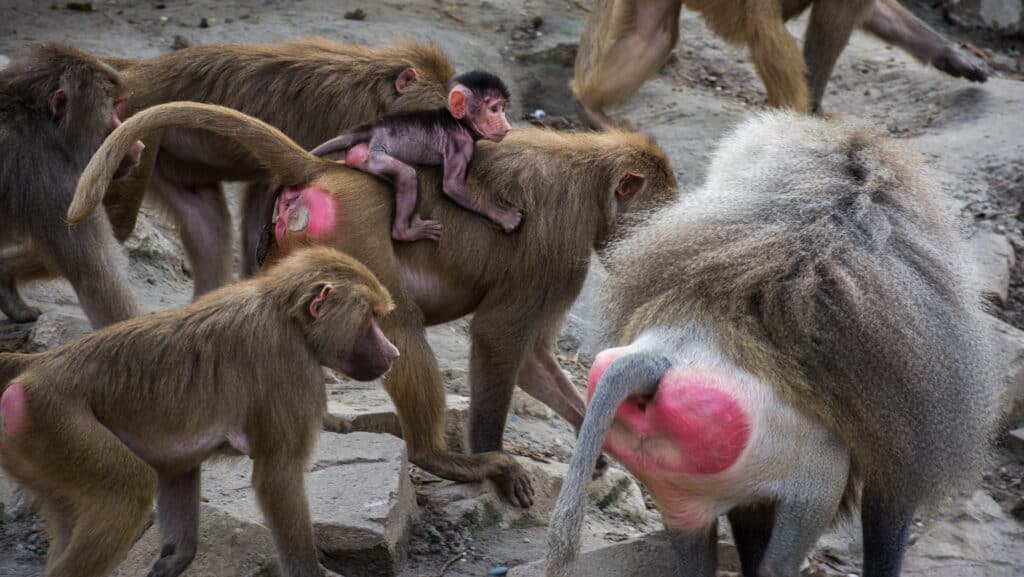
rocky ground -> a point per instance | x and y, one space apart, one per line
378 516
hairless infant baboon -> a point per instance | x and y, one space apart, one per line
98 427
518 287
440 137
57 104
311 89
802 329
626 41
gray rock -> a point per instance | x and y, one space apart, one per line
977 539
4 61
479 505
7 494
995 259
1010 359
371 411
1015 440
360 495
1005 16
648 556
227 546
54 329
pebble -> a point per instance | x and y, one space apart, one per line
497 572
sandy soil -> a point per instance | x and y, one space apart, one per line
975 134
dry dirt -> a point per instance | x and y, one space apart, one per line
974 133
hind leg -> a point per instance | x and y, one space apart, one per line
886 525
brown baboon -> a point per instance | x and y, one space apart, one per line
801 332
627 41
57 104
98 427
572 187
311 89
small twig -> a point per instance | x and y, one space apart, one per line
447 564
449 14
987 57
580 5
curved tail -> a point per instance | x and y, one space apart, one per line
637 373
279 155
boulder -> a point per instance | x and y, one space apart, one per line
360 496
1004 16
1010 362
53 329
646 556
995 259
371 411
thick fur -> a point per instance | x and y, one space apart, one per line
855 296
43 157
129 412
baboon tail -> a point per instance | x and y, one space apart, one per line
637 373
286 161
12 365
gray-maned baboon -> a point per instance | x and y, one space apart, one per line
310 89
801 333
627 41
98 427
57 104
574 190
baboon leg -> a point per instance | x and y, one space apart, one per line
542 378
60 518
257 210
86 255
111 491
627 44
696 553
798 524
281 493
895 24
776 57
886 527
407 226
20 263
828 32
202 216
752 530
177 506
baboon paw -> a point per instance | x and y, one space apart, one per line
517 487
419 229
509 221
954 63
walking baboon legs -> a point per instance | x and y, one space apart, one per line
832 22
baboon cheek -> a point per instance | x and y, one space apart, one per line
302 214
13 410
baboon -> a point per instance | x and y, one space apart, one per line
57 104
97 428
311 89
800 332
444 137
627 41
577 187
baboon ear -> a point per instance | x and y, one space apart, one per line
316 301
630 185
58 103
457 101
408 77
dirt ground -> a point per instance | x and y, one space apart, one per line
973 133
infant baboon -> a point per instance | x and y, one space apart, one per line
98 427
802 330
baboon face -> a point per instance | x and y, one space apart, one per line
344 331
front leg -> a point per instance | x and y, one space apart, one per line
177 509
456 162
895 24
281 492
696 553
